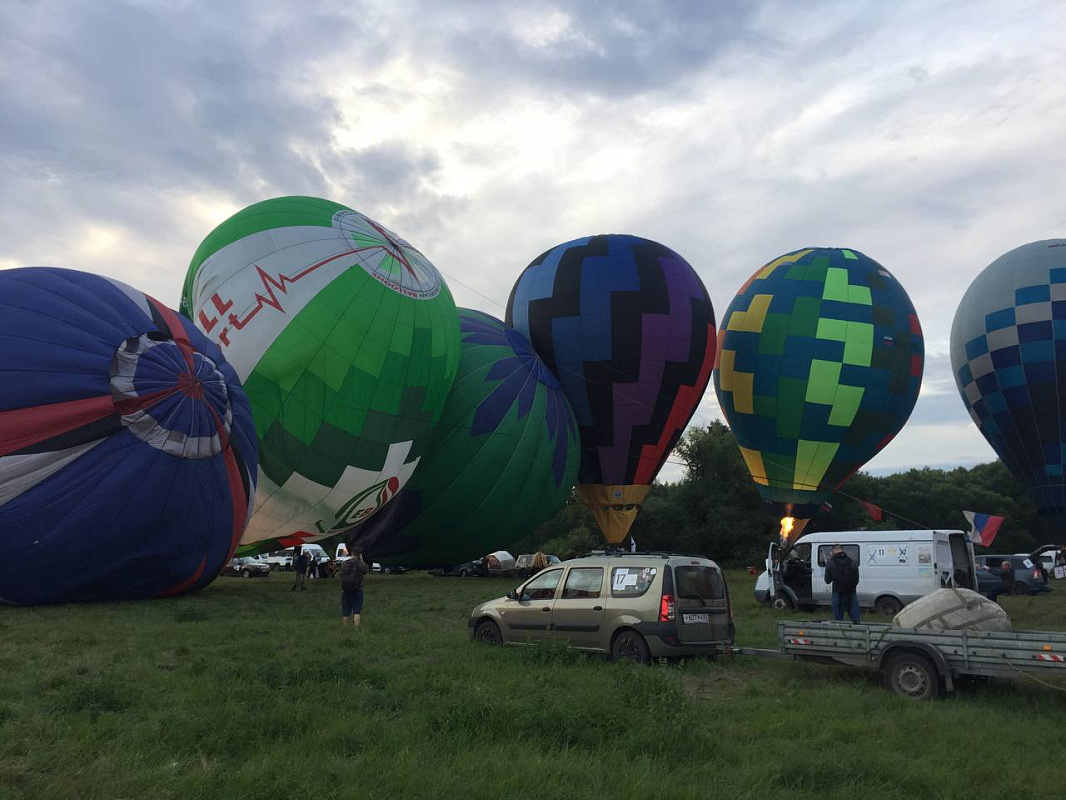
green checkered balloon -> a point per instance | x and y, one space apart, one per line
347 341
819 365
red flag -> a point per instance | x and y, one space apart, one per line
876 512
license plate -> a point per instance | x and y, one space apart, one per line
694 618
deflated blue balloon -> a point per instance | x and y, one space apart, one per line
127 445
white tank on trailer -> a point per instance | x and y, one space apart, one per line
953 610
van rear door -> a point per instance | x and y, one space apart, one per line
702 603
962 561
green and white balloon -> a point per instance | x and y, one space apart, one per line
347 341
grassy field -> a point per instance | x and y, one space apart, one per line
247 690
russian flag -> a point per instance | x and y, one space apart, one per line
983 527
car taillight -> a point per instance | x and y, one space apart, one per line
667 613
1036 574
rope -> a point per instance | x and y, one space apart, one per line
1025 674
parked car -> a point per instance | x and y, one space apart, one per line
465 570
525 565
279 559
468 569
247 567
1029 578
627 605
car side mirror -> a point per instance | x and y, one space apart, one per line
512 595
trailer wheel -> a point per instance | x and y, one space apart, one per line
912 675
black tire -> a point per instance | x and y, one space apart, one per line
628 645
888 606
783 603
912 675
245 573
488 632
1021 589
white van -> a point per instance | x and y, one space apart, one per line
895 568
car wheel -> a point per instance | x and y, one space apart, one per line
914 676
1021 588
246 573
629 645
463 573
888 606
783 603
488 632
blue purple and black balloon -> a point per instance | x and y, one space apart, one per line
627 326
127 446
1008 354
501 460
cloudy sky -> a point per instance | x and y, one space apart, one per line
928 135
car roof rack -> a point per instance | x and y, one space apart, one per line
657 553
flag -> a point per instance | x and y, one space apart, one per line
983 527
876 512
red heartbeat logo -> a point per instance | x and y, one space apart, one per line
270 299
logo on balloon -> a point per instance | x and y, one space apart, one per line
367 503
387 258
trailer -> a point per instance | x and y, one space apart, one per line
921 664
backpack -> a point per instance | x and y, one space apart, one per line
352 575
845 576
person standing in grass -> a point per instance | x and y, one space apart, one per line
843 574
352 587
299 566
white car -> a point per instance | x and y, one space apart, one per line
279 559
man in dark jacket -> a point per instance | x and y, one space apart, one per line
299 566
843 574
352 573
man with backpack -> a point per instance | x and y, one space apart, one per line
352 587
843 574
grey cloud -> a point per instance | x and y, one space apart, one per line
611 49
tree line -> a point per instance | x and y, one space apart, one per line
716 510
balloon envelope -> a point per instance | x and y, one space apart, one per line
502 460
820 366
127 447
1008 354
627 326
347 341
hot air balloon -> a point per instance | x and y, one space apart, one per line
1008 354
347 341
626 325
127 446
502 459
820 363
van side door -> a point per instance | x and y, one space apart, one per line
822 592
578 611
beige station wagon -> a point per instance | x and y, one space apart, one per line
635 606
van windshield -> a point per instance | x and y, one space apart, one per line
699 583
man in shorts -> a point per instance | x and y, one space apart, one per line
352 573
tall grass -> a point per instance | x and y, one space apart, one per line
247 690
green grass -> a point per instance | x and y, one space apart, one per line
247 690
